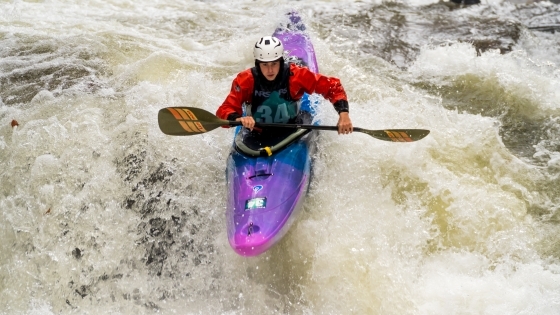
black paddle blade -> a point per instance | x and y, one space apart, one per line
187 121
396 135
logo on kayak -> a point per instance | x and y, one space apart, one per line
255 203
257 188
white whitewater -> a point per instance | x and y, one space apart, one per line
101 213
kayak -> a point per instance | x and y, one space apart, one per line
268 181
268 178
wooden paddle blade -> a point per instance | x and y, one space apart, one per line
187 121
396 135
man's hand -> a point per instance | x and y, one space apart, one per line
247 122
344 123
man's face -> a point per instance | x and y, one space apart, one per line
270 69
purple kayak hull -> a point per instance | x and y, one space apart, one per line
269 192
265 194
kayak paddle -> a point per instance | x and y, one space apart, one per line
188 121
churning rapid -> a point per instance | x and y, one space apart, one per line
101 213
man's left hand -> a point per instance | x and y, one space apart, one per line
344 124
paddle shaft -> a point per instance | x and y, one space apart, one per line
293 126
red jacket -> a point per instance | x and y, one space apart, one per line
301 80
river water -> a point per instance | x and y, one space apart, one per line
101 213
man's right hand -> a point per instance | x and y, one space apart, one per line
247 122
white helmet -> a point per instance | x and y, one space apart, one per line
268 49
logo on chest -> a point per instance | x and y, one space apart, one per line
268 93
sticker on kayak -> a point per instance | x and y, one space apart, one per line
255 203
257 188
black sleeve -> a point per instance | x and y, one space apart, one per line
233 116
341 106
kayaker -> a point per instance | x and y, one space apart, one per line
273 87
